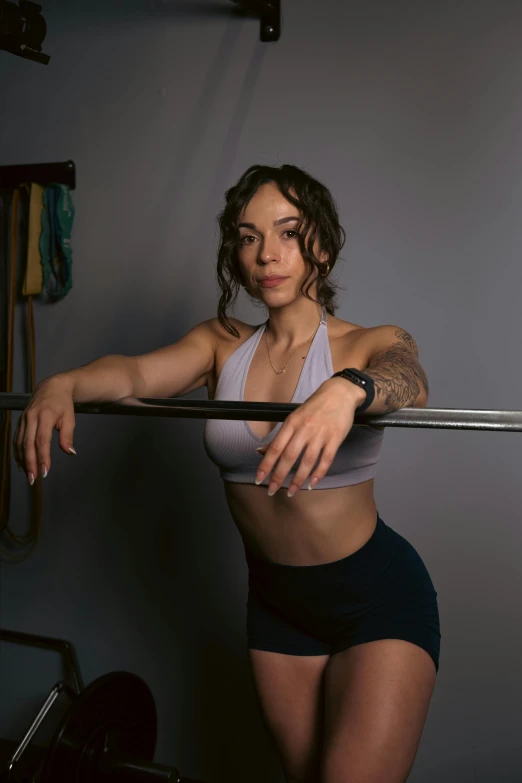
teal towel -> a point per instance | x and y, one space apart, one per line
55 240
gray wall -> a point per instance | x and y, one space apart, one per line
410 112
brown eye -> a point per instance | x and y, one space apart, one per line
246 236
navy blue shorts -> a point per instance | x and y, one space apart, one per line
381 591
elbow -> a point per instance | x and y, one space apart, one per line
422 399
424 389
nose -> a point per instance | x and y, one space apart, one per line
269 250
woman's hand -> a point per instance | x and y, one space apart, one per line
51 407
318 427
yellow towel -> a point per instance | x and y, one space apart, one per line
33 280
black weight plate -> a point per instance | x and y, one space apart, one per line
116 710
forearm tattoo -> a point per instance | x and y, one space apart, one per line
397 374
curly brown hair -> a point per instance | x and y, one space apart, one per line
319 220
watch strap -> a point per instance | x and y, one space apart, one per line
363 381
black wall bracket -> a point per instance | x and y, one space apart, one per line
43 173
269 12
23 30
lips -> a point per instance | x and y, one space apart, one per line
270 282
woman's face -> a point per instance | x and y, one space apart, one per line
269 248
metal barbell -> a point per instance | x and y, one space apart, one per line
176 407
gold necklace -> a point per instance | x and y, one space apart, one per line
280 372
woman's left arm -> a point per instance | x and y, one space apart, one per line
316 429
393 365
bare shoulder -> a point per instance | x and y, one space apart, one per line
225 343
387 341
345 335
360 344
389 336
224 339
337 328
345 343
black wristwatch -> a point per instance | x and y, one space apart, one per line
362 380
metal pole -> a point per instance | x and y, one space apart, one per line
431 418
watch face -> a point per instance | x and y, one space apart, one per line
356 377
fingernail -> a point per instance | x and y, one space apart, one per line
259 478
71 450
313 482
31 478
272 489
44 471
260 450
292 489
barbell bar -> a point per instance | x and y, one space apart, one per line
177 407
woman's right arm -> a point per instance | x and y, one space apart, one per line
168 372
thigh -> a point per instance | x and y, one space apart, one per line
288 668
377 697
290 689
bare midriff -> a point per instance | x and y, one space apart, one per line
314 526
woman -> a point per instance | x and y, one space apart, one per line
343 627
